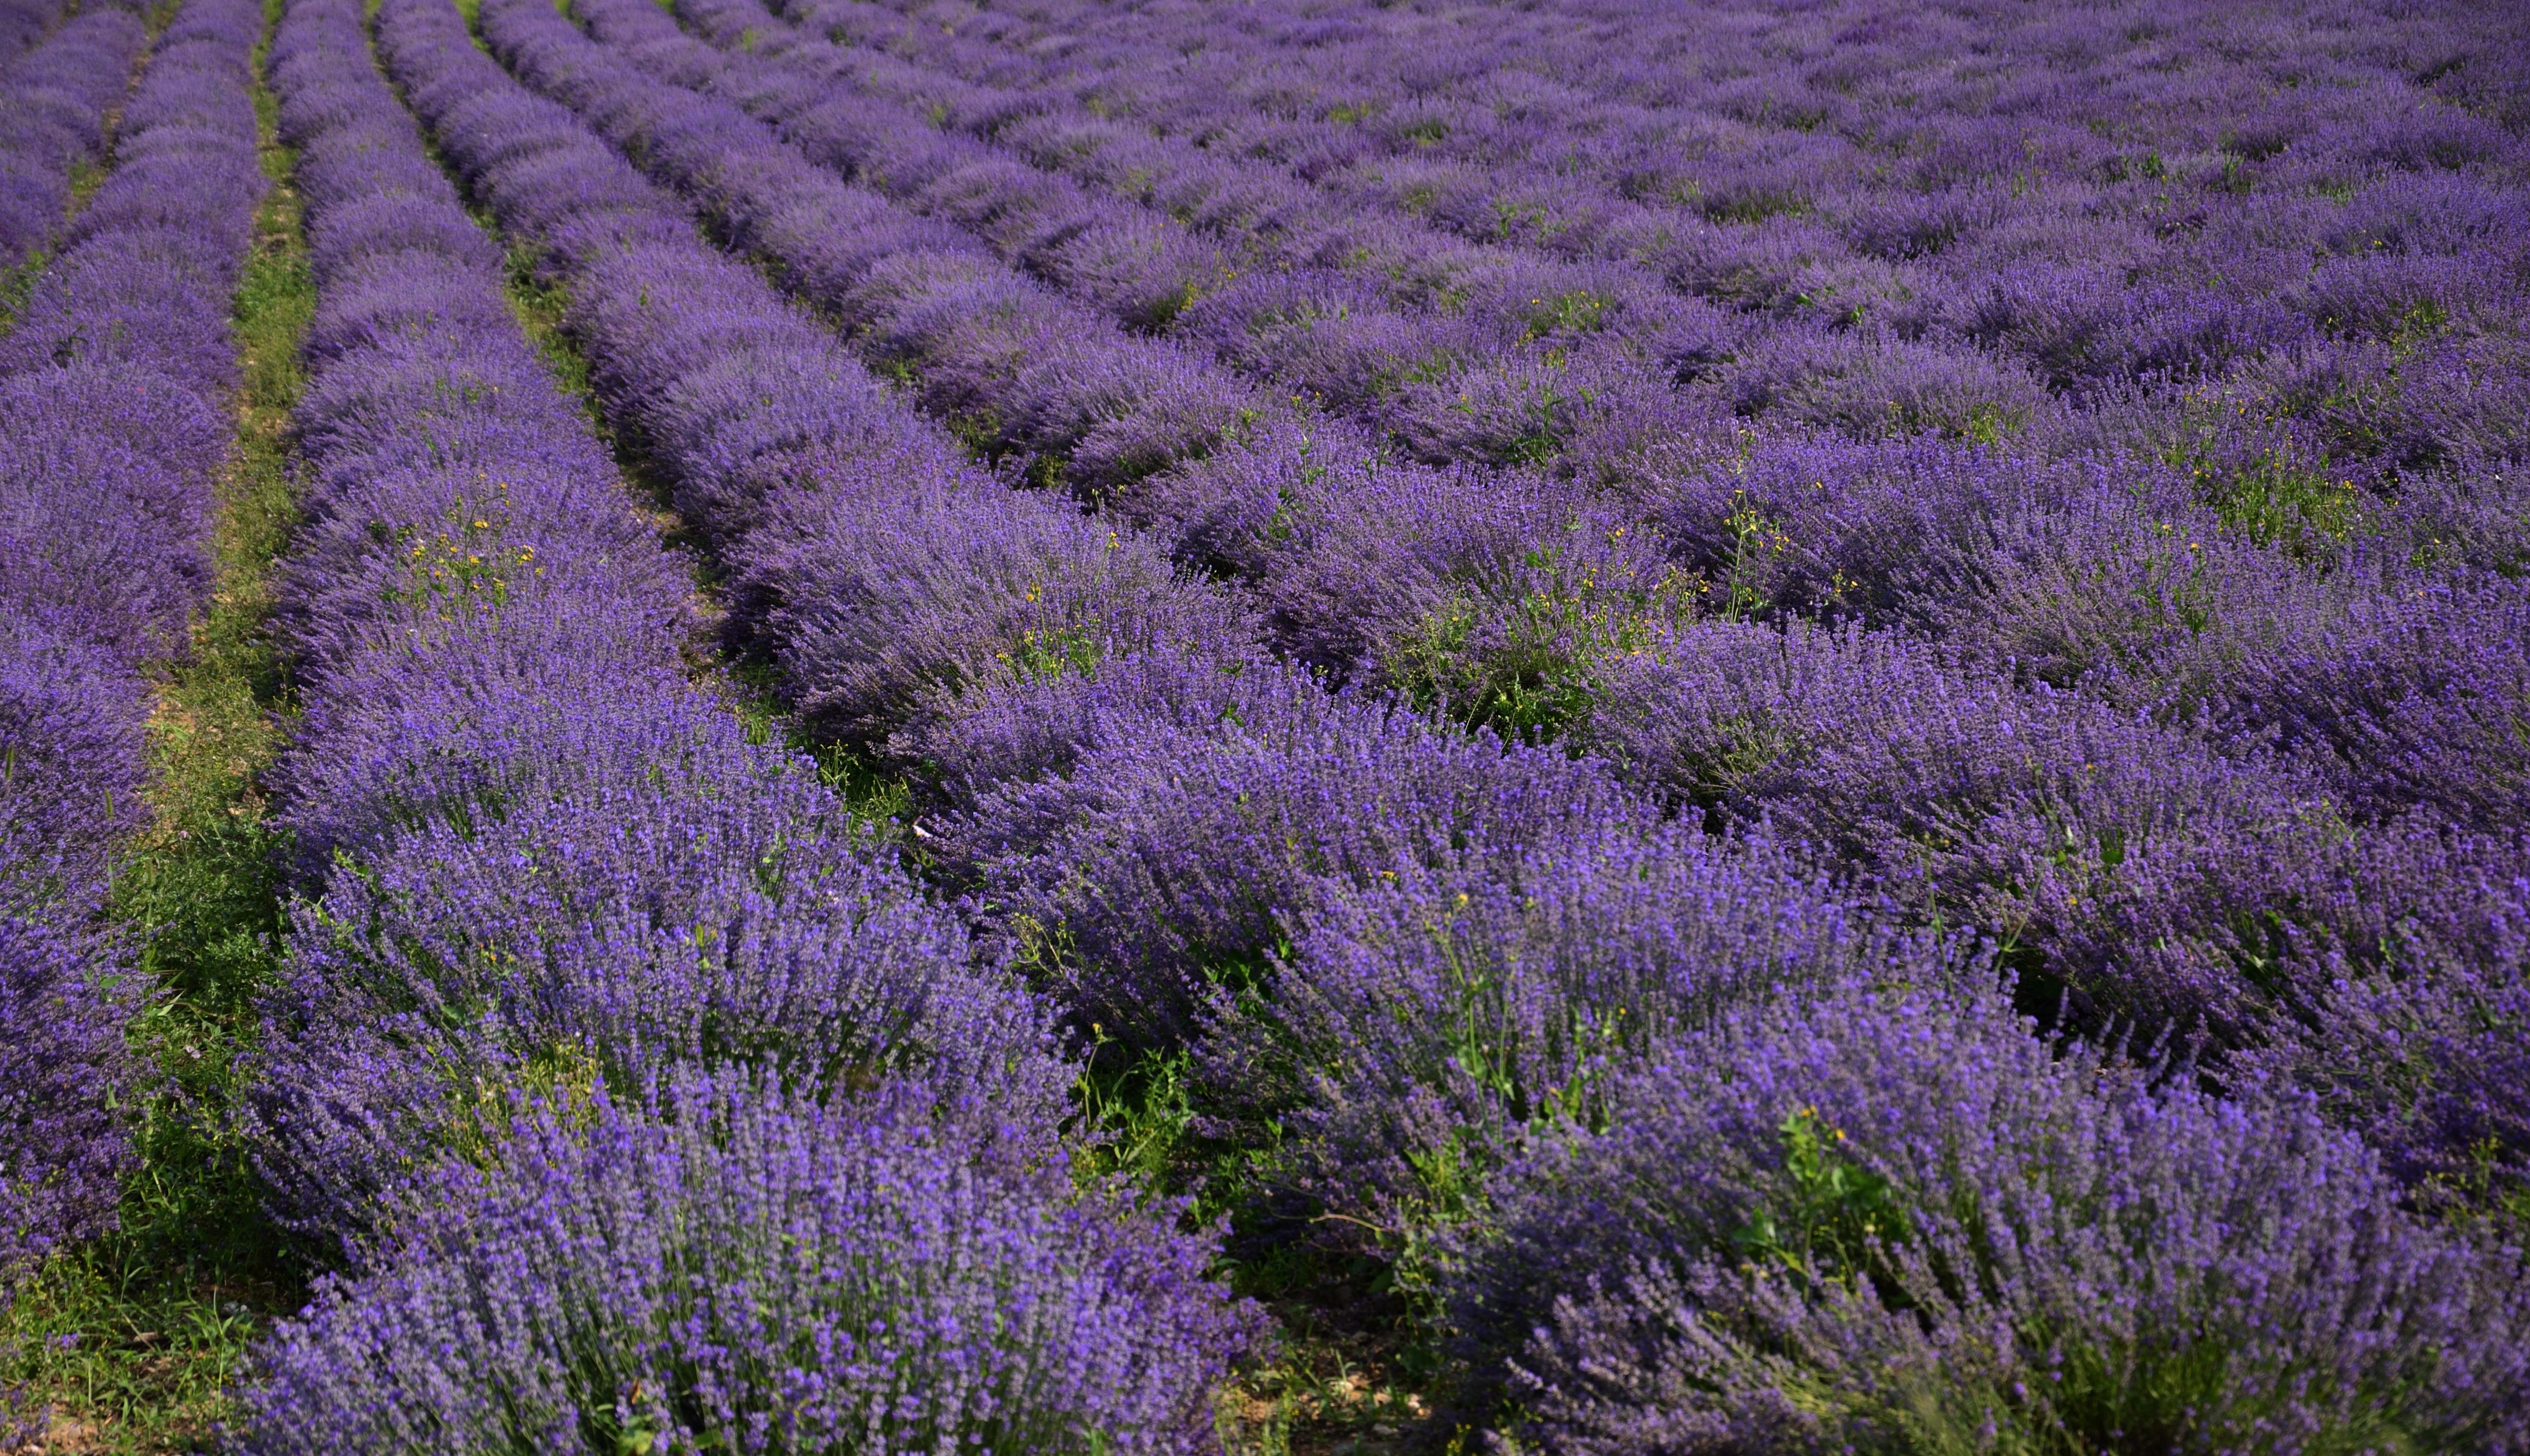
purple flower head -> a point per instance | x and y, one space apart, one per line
459 722
103 467
889 608
64 1149
72 770
52 115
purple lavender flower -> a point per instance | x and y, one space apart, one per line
597 929
889 609
53 105
112 421
72 771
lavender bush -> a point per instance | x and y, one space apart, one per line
535 859
593 929
113 421
1881 1218
727 1268
71 719
22 22
65 1147
1420 1026
1162 855
54 98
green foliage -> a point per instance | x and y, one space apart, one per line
2277 499
1546 419
16 281
1754 206
1756 539
1837 1214
1043 654
1528 658
460 565
1578 311
1528 223
540 304
1137 1113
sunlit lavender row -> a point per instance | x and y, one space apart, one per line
115 376
1145 726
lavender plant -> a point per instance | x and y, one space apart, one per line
1421 1026
1159 859
24 22
55 98
71 770
2051 502
589 936
537 859
1890 1218
725 1267
64 1147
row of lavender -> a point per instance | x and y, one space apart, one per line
2473 895
2380 391
1904 532
643 1098
113 390
1457 351
53 105
1350 553
2418 261
1447 969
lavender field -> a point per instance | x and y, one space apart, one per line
1116 726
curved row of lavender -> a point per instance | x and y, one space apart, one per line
937 646
53 105
643 1099
1480 594
1969 547
115 385
2342 308
2270 274
1754 1160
